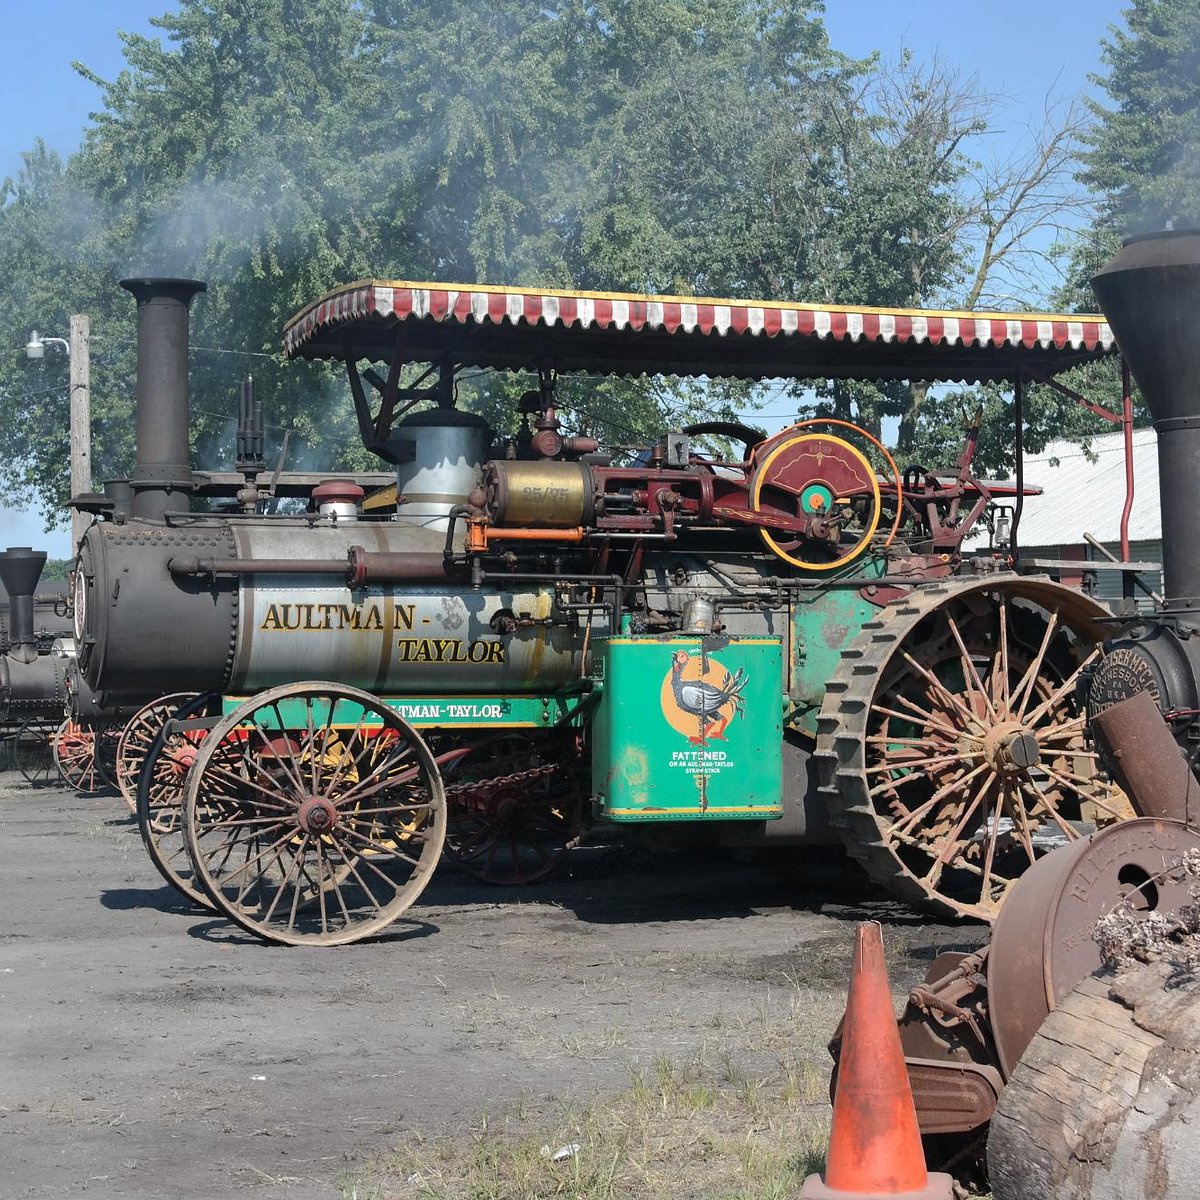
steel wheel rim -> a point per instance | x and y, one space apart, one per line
33 753
317 829
973 752
138 738
161 787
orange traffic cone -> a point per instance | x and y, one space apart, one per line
875 1143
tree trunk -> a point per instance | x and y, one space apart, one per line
1105 1102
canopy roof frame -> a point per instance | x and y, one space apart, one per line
508 328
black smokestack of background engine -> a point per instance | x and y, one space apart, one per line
20 570
162 479
1150 293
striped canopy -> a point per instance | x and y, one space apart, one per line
614 334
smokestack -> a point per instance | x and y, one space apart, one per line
163 466
1150 293
20 570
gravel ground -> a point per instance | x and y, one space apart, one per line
152 1050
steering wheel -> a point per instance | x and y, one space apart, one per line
734 430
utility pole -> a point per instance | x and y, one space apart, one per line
81 420
79 351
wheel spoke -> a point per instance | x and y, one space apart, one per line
937 797
924 716
1059 692
940 689
949 846
1029 679
970 674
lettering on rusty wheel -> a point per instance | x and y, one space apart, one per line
514 806
953 745
138 737
161 782
314 814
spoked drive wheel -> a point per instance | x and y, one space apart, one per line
138 736
314 815
514 806
32 753
85 754
951 742
161 784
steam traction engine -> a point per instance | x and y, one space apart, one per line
781 643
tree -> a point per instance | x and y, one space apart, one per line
277 148
1144 150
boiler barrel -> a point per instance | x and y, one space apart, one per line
146 631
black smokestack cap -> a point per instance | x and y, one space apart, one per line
20 570
1150 293
163 467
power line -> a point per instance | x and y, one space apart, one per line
244 353
62 387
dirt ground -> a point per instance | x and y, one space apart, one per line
150 1050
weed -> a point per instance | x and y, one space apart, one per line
702 1126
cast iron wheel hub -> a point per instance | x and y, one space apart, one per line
1011 748
317 815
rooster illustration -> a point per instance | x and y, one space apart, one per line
705 701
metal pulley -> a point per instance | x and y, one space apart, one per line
1042 943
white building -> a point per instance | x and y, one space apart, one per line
1083 491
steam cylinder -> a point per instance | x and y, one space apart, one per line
440 452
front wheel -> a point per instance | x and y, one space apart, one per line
314 815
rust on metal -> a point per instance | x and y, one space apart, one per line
1145 758
1042 941
953 1097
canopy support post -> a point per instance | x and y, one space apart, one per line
1019 445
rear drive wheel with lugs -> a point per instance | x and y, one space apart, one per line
951 742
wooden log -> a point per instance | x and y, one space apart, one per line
1105 1102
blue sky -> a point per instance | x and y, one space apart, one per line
1021 51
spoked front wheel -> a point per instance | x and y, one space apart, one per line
314 815
139 736
161 783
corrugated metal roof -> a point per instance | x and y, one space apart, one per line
1082 494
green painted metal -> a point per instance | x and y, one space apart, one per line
823 624
436 712
653 760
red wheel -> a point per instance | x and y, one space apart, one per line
514 806
161 784
137 738
85 754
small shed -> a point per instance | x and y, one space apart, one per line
1083 491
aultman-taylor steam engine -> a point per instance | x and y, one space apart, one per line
786 642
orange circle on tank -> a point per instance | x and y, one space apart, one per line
688 723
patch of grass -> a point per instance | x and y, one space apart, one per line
701 1127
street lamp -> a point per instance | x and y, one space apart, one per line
78 350
36 346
